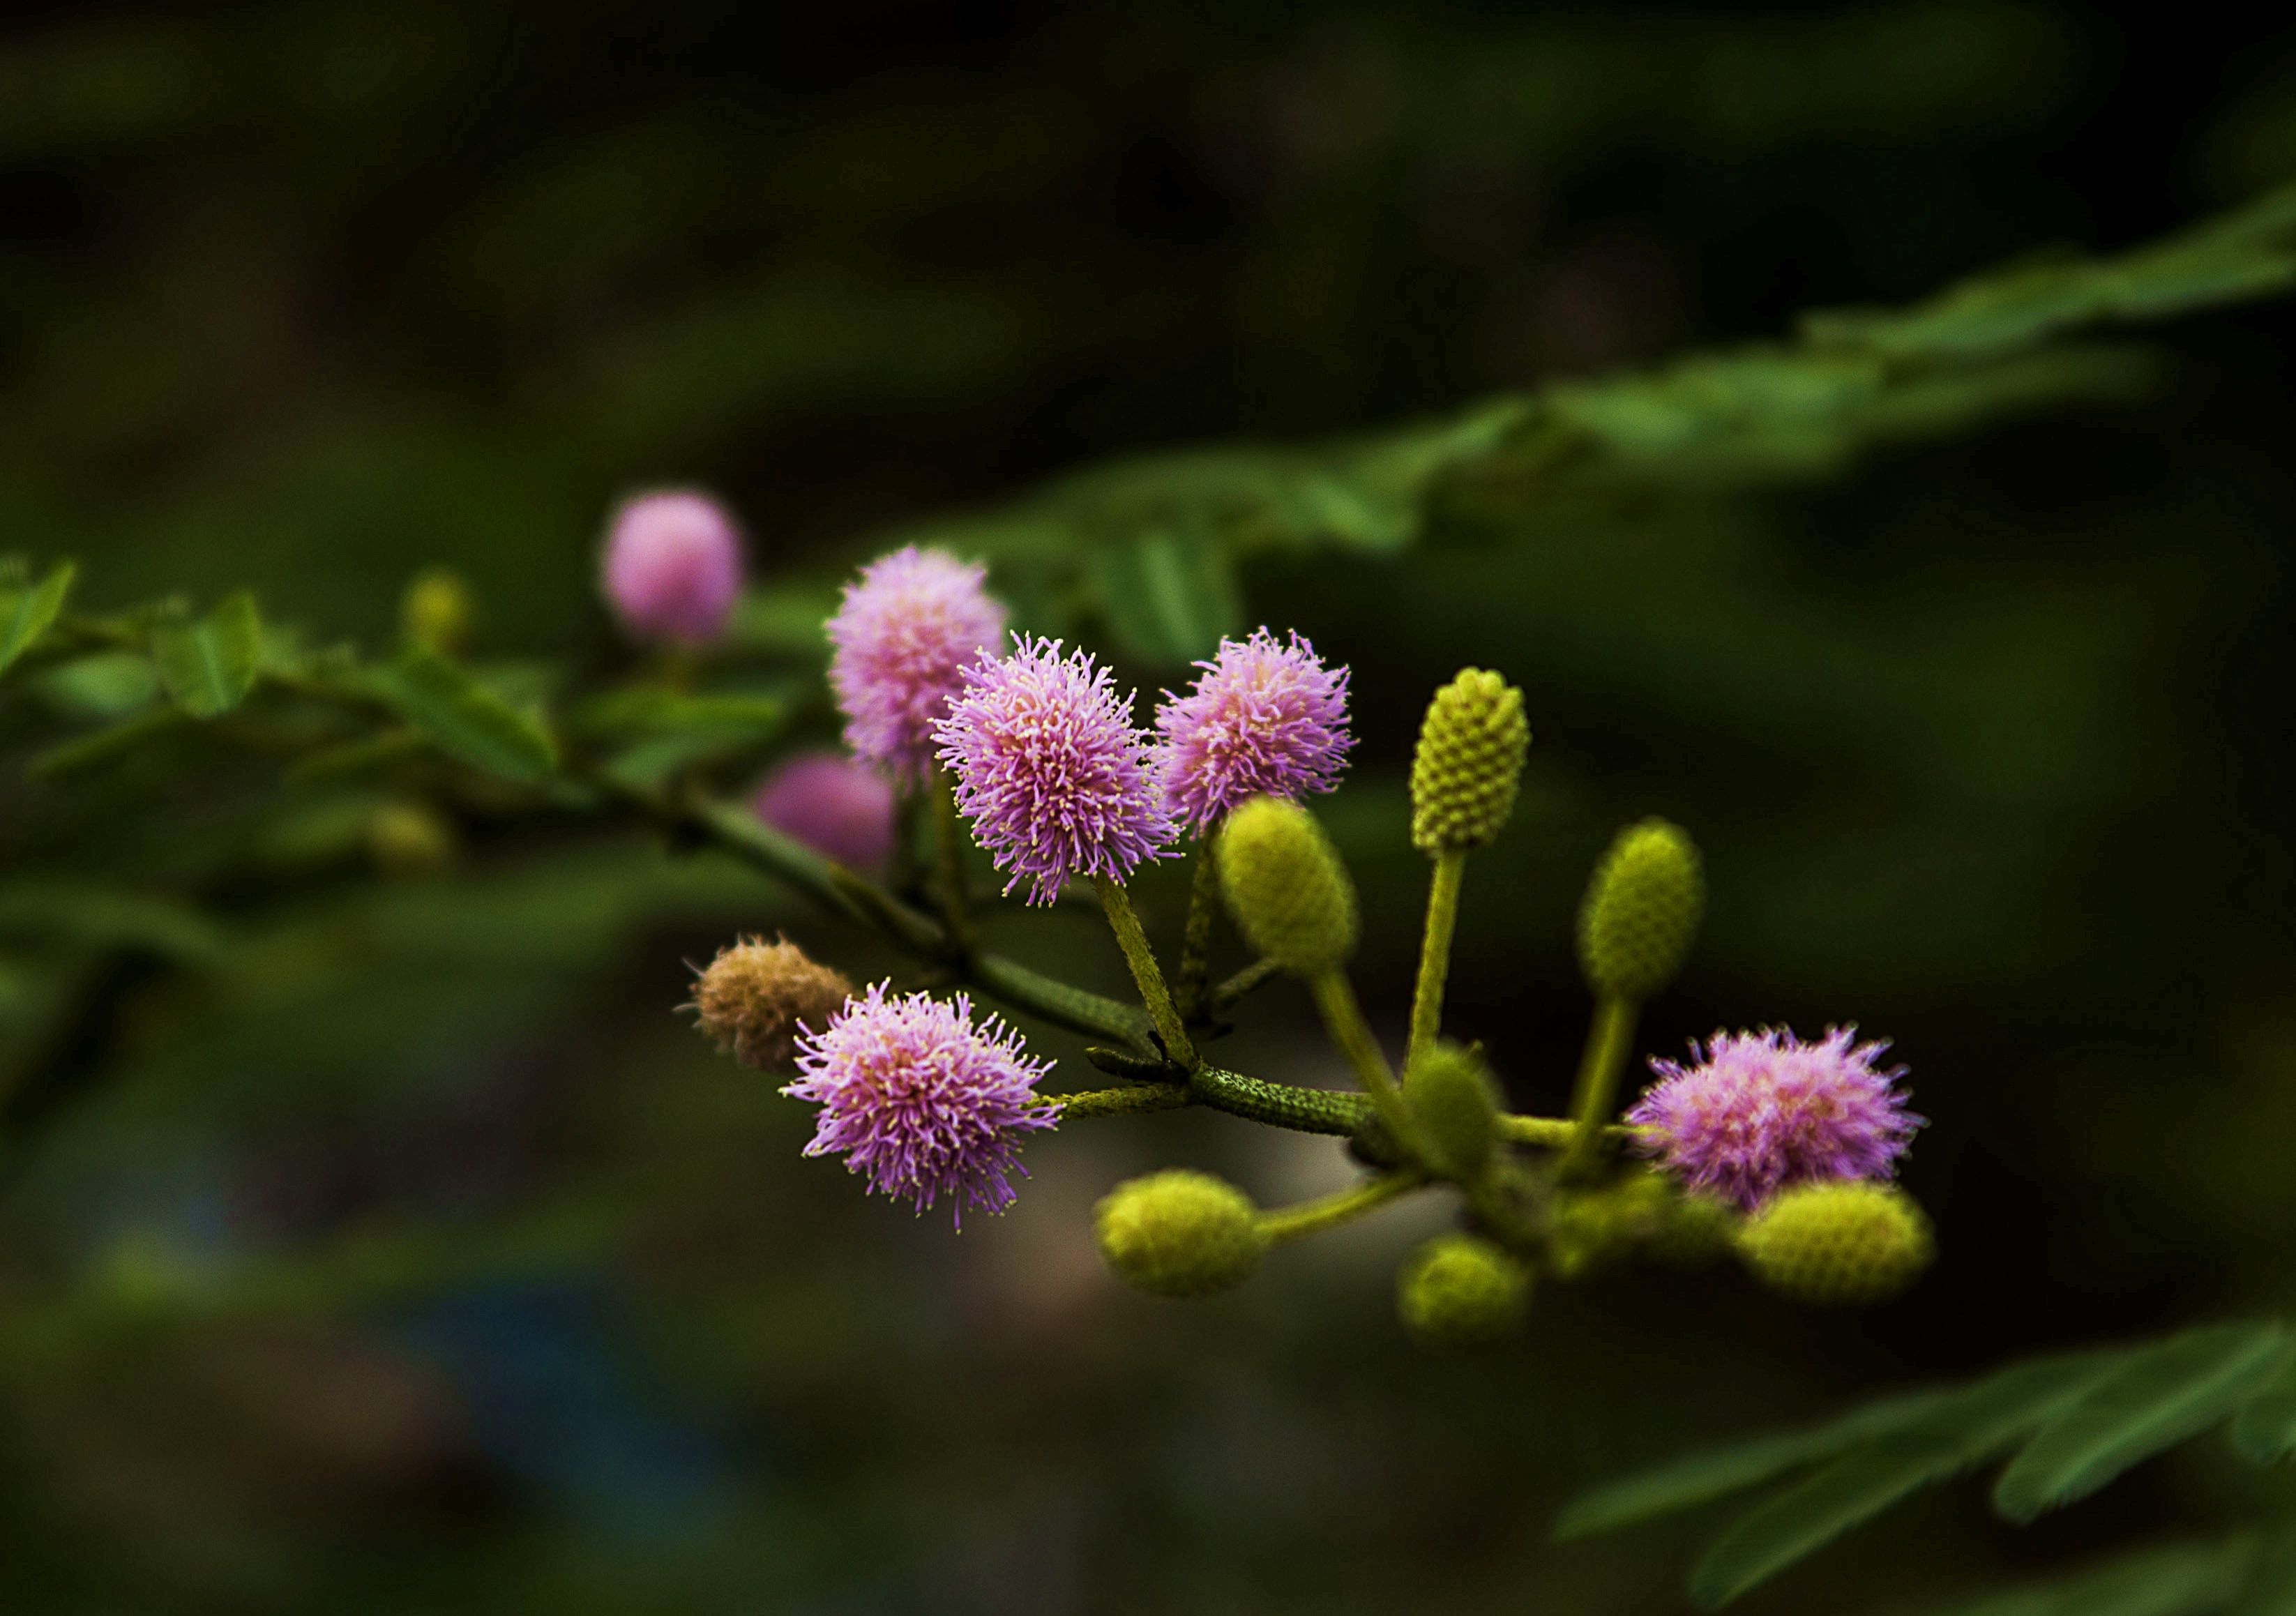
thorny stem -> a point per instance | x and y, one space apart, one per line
1195 947
1314 1217
1435 950
949 835
1343 1019
1123 1102
1608 1041
1125 924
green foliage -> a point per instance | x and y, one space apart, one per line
464 717
2066 1426
28 611
207 668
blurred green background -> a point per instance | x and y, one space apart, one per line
383 1242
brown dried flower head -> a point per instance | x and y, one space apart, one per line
755 995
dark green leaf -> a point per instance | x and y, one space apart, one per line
46 910
2179 1579
104 744
2163 1395
26 614
2271 1589
1961 1431
1170 595
107 684
208 667
2265 1430
464 719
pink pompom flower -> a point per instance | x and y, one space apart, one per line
673 566
1049 771
923 1100
1266 718
836 804
1757 1112
908 628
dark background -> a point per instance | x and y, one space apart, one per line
405 1252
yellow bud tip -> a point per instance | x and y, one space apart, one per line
1286 888
1469 762
1179 1234
1642 910
1462 1291
438 612
756 996
1845 1243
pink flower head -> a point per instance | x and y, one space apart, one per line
1760 1110
921 1099
1049 771
908 626
834 804
673 566
1266 719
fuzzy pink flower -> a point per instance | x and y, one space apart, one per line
1759 1110
1049 771
673 566
908 628
834 804
921 1099
1265 720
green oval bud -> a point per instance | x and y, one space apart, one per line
1469 762
1451 1093
1642 910
1842 1244
1178 1232
410 838
437 611
1286 888
1460 1291
1697 1229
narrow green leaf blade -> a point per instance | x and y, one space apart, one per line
2175 1579
2159 1398
464 719
27 613
1961 1431
2271 1589
1170 596
208 667
2265 1430
1716 1472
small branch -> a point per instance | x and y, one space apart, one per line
1223 997
1435 951
949 836
1122 1101
1145 975
1343 1019
1305 1110
1314 1217
1608 1041
1195 947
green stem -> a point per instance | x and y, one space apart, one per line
1608 1042
1122 1101
949 835
1314 1217
1225 996
1125 924
1305 1110
1343 1019
1435 950
1195 947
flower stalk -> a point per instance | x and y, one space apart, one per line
1125 922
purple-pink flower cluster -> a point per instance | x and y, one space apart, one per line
673 566
1050 770
908 628
834 804
921 1099
1266 718
1757 1112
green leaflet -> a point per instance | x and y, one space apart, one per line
1170 595
102 745
464 719
26 614
1960 1431
2264 1431
107 917
207 668
2175 1579
2155 1399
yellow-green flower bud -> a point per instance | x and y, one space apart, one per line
1451 1093
756 996
1697 1229
410 838
1178 1232
1469 762
1460 1291
1840 1244
1642 910
1286 888
437 611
